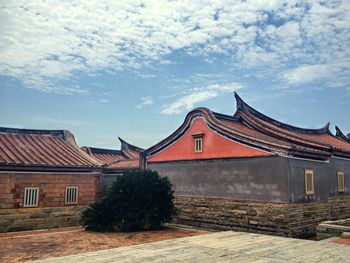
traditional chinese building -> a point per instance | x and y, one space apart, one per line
251 172
115 162
46 179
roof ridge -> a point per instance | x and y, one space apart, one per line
32 131
102 150
129 145
341 135
243 106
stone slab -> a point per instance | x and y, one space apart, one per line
227 246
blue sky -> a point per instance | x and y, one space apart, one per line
134 69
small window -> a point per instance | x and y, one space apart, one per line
341 183
198 145
71 195
309 182
31 197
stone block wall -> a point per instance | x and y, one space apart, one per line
21 219
282 219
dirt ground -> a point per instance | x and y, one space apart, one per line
34 245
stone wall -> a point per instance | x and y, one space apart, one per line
329 229
282 219
39 218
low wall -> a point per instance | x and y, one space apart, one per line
333 228
39 218
282 219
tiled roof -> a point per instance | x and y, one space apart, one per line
125 164
252 128
105 156
125 158
321 137
42 148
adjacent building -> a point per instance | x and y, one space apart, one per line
46 179
251 172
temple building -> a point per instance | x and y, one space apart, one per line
46 179
251 172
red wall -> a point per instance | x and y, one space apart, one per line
51 188
214 146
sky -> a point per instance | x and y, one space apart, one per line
134 69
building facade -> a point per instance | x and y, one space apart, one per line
47 180
251 172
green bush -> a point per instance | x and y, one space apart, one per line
137 200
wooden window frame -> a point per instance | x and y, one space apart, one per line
341 187
306 173
68 200
200 144
33 194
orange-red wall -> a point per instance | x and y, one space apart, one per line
214 146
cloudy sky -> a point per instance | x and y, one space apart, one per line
135 68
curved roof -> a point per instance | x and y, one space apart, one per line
253 128
29 147
105 156
321 138
126 157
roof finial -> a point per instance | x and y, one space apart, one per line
341 135
240 104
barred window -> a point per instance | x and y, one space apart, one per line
309 182
341 183
31 197
71 195
198 145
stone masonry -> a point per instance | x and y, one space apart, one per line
282 219
39 218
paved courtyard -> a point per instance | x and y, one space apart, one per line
42 244
221 247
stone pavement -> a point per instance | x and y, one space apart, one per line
41 244
221 247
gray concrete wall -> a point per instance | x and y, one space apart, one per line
107 181
325 179
259 178
275 179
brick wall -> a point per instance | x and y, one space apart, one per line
282 219
52 211
52 188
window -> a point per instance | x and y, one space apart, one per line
198 145
31 197
341 183
71 195
309 182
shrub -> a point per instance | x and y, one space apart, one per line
137 200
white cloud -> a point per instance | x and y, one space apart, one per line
145 101
42 46
196 95
331 72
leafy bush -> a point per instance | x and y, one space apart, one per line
137 200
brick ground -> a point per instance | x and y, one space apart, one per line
33 245
344 241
